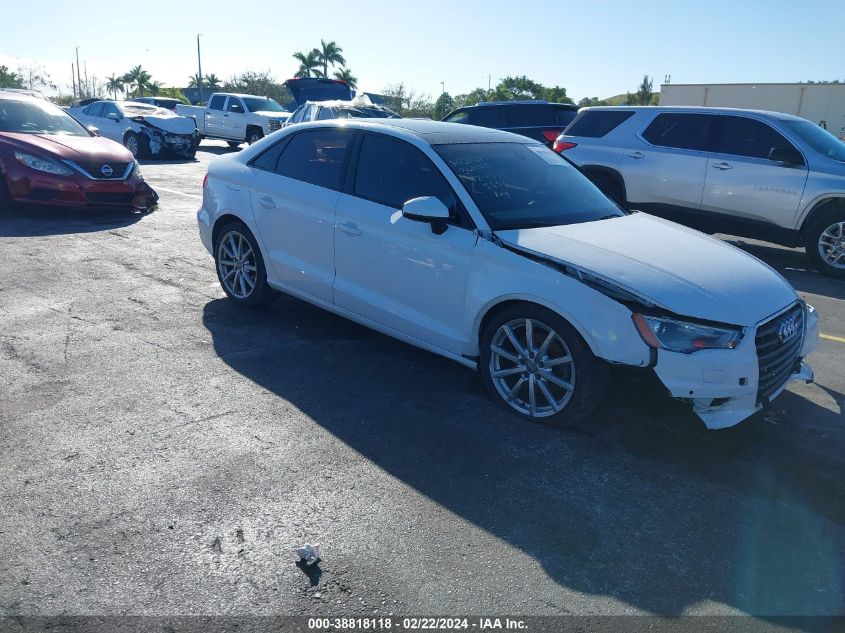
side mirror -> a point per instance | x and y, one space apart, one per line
94 130
427 209
788 155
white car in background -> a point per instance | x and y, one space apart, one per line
144 129
489 249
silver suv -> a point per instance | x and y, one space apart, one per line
763 175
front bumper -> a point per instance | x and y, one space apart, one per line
722 385
27 186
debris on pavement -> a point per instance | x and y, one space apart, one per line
308 553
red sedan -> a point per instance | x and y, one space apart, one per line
47 157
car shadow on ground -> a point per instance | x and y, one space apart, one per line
168 160
640 502
42 221
218 150
793 264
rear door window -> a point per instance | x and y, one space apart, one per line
529 116
486 116
679 130
217 102
598 123
95 109
316 157
325 114
742 136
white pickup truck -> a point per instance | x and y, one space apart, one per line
236 118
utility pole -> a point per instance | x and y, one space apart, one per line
199 66
73 79
78 73
87 87
442 87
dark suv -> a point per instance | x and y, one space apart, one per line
539 120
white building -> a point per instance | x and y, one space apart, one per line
821 103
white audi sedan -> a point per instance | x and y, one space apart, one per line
490 249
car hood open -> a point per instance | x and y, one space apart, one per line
318 89
671 266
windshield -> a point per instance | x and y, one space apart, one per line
37 117
135 109
818 138
262 105
365 113
524 185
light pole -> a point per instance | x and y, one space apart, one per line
199 65
442 87
78 73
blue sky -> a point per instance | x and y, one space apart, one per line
591 48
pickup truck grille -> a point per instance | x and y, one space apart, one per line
273 125
778 344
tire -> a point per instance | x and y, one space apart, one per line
564 392
135 144
6 202
611 188
233 144
254 134
235 243
825 243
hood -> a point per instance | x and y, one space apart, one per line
282 116
75 148
174 123
318 89
677 268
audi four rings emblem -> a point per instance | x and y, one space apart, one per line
106 170
788 329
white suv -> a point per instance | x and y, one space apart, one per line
763 175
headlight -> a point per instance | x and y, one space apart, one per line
136 169
43 164
684 337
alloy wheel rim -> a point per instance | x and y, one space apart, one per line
236 265
532 368
132 145
832 245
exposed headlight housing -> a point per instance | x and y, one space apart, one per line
136 169
685 337
43 164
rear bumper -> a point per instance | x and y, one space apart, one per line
722 385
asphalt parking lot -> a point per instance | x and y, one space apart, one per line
164 451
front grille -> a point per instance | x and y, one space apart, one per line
273 125
777 354
95 170
101 197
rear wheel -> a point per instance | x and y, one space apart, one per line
534 364
611 187
233 144
825 243
240 267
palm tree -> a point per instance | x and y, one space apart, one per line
155 87
194 81
114 85
212 81
138 79
329 53
309 63
347 76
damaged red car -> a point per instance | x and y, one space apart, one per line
48 158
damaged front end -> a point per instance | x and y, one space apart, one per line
725 372
166 135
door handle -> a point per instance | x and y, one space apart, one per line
723 166
636 155
225 115
266 202
350 228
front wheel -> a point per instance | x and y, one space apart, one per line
240 267
534 364
254 135
825 244
233 144
132 142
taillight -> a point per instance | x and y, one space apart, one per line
551 135
204 180
562 146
